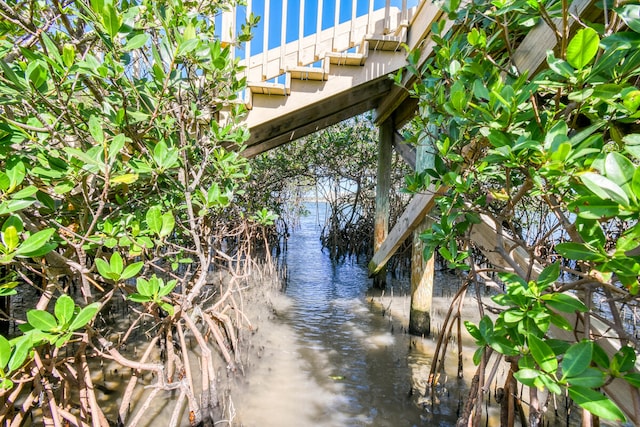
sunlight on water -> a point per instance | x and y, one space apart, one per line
331 357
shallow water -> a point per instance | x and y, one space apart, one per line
331 356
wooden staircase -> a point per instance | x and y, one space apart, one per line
304 86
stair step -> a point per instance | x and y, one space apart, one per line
343 58
388 43
268 88
309 73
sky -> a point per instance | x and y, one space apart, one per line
310 18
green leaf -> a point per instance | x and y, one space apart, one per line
10 238
577 359
596 403
15 222
620 170
16 173
127 178
5 352
559 66
633 378
111 19
560 322
564 303
84 316
591 232
52 49
26 192
168 308
477 355
131 270
502 345
549 275
116 264
140 298
624 360
117 144
605 188
545 381
630 14
104 268
144 287
583 48
542 354
473 330
136 42
590 377
64 309
579 251
154 219
527 376
95 129
600 357
168 222
166 289
63 339
41 320
23 346
187 46
68 54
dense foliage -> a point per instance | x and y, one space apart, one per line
549 159
338 166
114 181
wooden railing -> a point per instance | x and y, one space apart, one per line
342 37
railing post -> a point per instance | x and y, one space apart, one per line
370 26
228 26
248 44
283 37
316 55
352 42
336 22
387 18
300 30
383 186
422 271
265 38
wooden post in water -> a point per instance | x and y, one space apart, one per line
383 185
422 270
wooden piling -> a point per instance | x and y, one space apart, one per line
383 186
422 271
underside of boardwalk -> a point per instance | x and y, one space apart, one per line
319 80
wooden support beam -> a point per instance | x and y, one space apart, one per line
532 52
422 270
314 117
383 187
418 207
406 152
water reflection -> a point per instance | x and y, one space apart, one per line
332 357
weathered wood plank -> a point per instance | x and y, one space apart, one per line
422 271
383 184
406 152
532 52
418 207
314 117
383 187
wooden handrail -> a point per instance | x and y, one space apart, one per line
271 63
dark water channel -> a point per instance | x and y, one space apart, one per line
333 357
